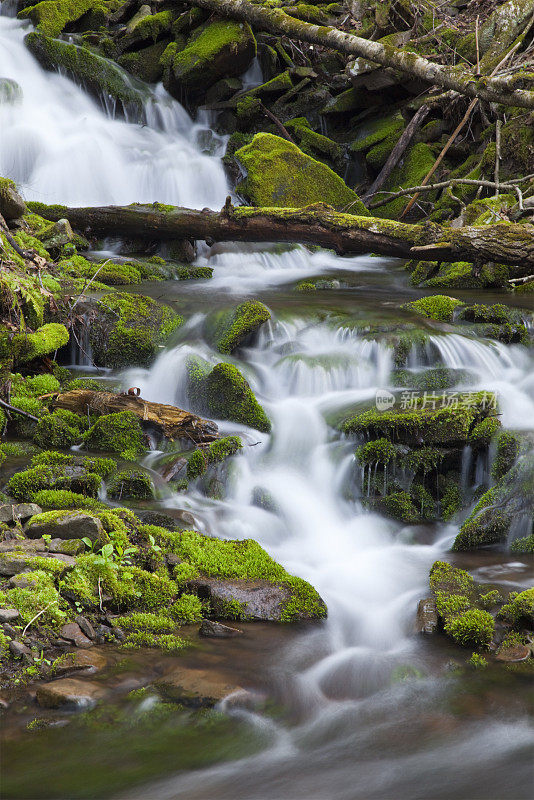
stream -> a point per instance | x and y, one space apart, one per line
361 707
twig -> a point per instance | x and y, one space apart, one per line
429 187
42 611
87 284
476 42
5 405
497 155
283 130
100 595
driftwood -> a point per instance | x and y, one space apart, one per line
318 224
172 421
275 20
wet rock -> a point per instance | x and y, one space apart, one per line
70 525
12 206
87 661
516 652
69 693
18 649
23 545
215 630
258 599
8 614
22 511
195 688
13 565
85 626
427 616
73 633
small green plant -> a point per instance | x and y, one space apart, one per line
477 661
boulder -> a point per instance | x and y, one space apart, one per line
195 688
18 650
73 633
85 661
12 206
257 599
215 630
8 614
22 511
69 693
23 545
65 525
279 174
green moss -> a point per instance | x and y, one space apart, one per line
214 453
99 75
452 580
130 330
31 562
197 371
280 174
490 599
519 609
379 451
485 431
51 457
51 16
187 609
377 137
17 449
146 621
153 25
416 164
62 428
429 380
146 64
438 307
449 605
525 544
34 386
473 628
229 396
65 499
132 484
451 500
461 275
106 271
105 467
477 661
507 451
219 49
164 641
312 142
83 383
40 595
45 341
400 506
229 329
117 433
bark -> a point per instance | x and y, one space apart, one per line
172 421
276 21
318 224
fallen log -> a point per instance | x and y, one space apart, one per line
170 420
318 224
275 20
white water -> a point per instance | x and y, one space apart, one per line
339 679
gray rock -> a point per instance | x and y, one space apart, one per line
9 630
11 513
85 626
427 616
8 614
71 547
73 525
69 693
13 565
18 649
18 582
214 630
73 633
12 206
23 545
69 561
86 661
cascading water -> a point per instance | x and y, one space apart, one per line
355 730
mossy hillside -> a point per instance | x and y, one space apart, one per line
219 49
117 433
101 77
280 175
227 330
229 396
129 329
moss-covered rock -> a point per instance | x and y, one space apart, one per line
131 484
12 206
279 174
62 428
438 307
129 328
52 16
417 162
25 347
108 272
117 433
100 76
229 396
227 330
214 453
216 50
145 64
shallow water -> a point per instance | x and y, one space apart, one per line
362 708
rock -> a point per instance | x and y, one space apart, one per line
229 396
195 688
280 174
88 661
71 547
516 652
23 511
69 692
18 649
8 614
18 582
85 626
10 92
259 599
215 630
14 565
69 561
23 545
427 616
12 206
67 525
73 633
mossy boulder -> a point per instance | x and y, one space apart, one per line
229 396
131 484
145 64
279 174
98 75
221 49
108 272
65 525
117 433
227 330
509 502
25 347
12 206
52 16
26 484
214 453
129 328
439 307
62 428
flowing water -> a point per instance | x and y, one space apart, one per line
364 707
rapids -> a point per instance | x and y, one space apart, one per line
363 704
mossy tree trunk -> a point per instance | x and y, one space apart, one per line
274 20
504 243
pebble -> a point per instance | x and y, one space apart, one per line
8 614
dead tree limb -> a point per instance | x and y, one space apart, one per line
317 224
430 187
19 411
276 21
170 420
